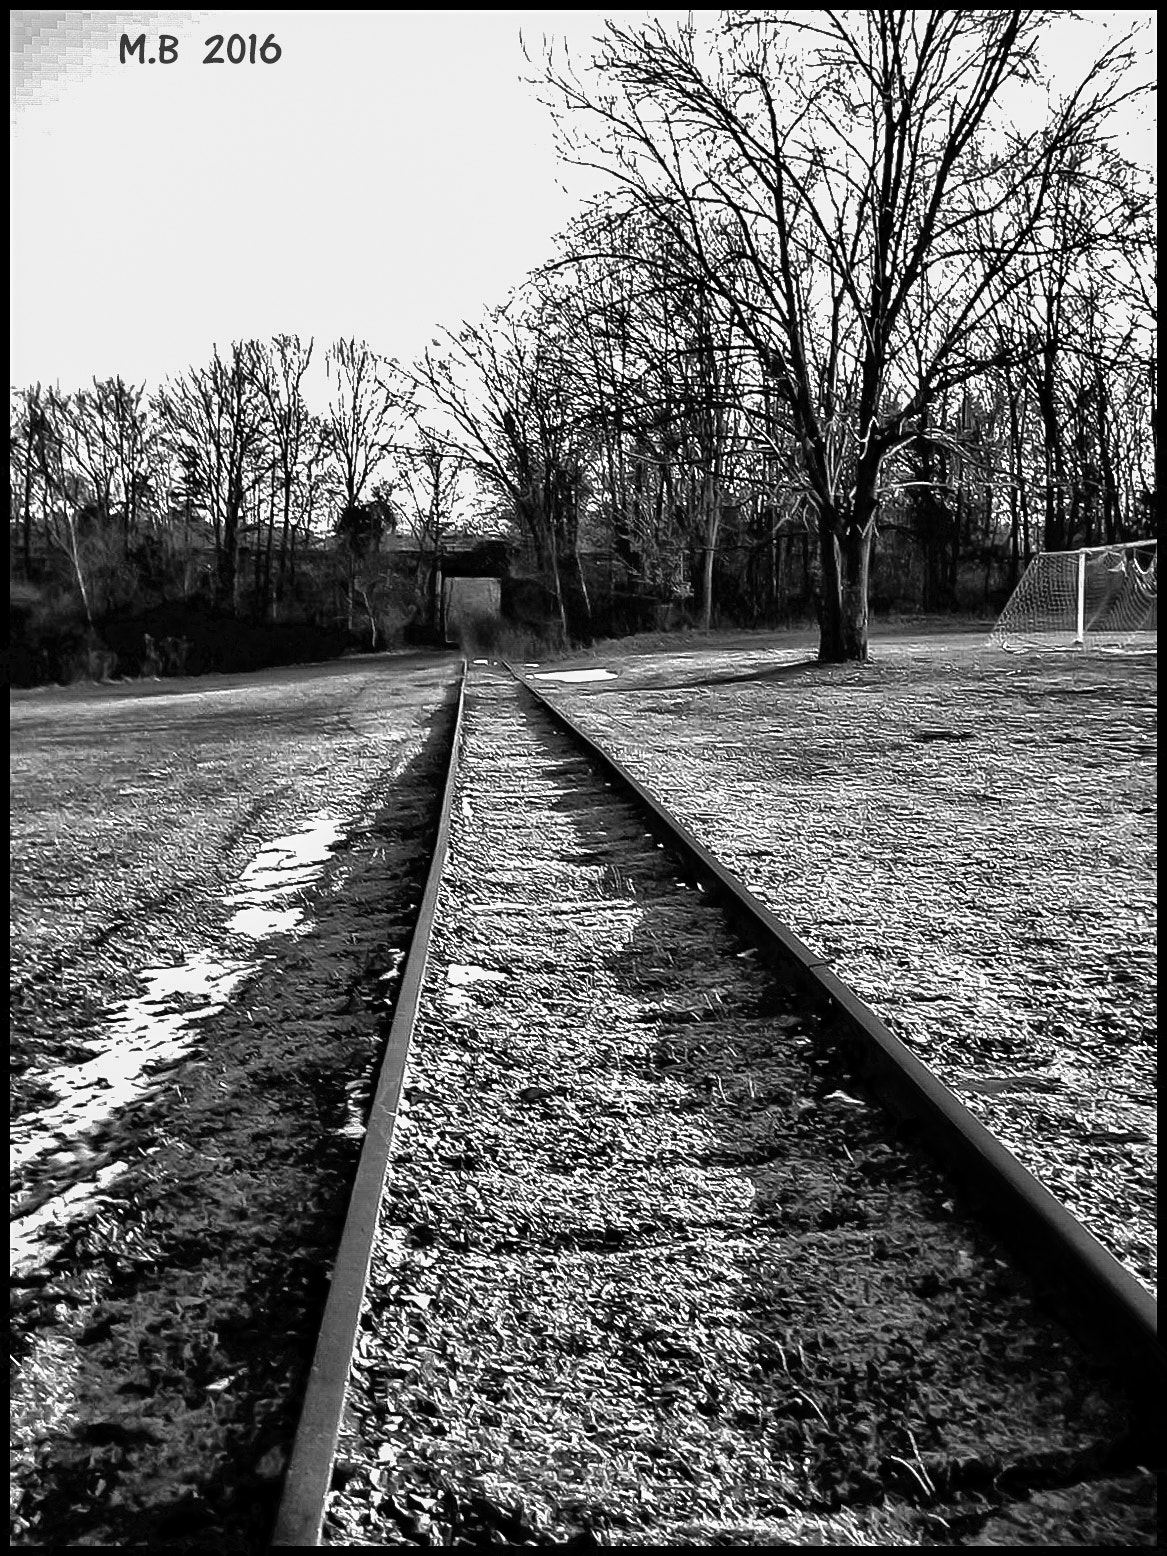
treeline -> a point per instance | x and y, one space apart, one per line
840 332
222 492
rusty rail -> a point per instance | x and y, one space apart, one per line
308 1479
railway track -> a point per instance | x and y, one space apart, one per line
658 1257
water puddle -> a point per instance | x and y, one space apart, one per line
145 1037
573 675
258 923
31 1237
144 1034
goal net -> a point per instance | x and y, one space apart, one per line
1100 597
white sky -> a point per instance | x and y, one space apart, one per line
390 174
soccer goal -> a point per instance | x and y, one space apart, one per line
1100 597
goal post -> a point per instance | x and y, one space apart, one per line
1094 598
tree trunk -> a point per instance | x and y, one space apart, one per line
1055 538
75 557
585 622
268 592
1016 476
257 608
369 611
27 513
856 550
928 506
712 518
228 558
961 506
846 560
282 566
556 581
831 601
1110 499
434 606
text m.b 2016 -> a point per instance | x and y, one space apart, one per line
236 49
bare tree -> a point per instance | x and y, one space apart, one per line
364 414
218 418
430 473
505 389
365 409
109 442
64 492
282 367
23 466
856 166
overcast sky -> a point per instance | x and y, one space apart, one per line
390 174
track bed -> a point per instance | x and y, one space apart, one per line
650 1266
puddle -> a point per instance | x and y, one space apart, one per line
458 977
31 1239
573 675
144 1035
258 923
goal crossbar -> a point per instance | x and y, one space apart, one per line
1095 597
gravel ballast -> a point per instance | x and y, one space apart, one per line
651 1267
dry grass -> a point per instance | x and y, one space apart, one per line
160 1345
970 839
648 1270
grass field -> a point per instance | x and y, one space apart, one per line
136 807
212 888
970 838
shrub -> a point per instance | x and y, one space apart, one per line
46 635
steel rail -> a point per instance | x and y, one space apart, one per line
1044 1236
308 1478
